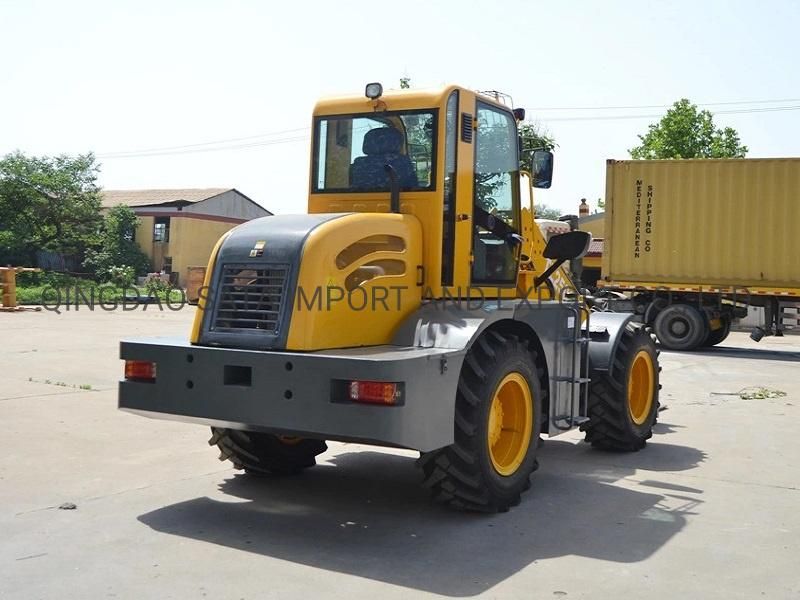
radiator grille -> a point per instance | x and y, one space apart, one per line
250 297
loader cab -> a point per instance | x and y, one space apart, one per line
452 156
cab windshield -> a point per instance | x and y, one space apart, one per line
351 151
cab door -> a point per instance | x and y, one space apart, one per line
495 199
458 156
482 177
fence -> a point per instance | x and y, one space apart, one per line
54 261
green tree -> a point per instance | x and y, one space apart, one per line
542 211
686 132
47 203
533 138
116 247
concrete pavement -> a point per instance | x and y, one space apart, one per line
707 510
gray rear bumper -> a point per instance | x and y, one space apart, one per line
297 393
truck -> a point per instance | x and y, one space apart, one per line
416 305
690 245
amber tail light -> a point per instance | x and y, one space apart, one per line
140 370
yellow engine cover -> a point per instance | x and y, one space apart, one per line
360 277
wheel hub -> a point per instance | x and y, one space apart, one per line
510 423
495 422
641 385
679 328
290 440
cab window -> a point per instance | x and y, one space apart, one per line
351 152
449 209
496 197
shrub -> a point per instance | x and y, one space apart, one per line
155 285
116 247
122 276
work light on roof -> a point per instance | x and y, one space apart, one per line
374 91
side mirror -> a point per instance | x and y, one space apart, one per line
568 246
564 247
542 168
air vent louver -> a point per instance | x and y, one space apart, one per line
466 128
250 297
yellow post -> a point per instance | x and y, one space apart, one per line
9 286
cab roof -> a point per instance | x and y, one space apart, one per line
409 99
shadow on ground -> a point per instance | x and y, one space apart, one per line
749 353
366 515
661 427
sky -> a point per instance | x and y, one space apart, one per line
119 78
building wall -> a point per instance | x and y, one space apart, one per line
594 224
231 204
144 236
191 242
194 229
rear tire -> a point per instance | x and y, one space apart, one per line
264 453
716 336
497 423
623 405
680 327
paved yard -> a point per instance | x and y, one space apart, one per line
710 509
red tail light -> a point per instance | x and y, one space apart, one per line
375 392
140 370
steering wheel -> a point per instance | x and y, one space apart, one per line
497 226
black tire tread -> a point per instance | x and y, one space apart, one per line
718 336
609 427
697 321
263 453
453 474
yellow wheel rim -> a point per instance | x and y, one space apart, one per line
510 423
289 440
641 383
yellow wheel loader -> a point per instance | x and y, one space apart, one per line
416 305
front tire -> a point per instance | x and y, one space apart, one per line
497 421
623 402
264 453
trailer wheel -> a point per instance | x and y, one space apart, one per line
623 403
715 336
265 454
680 327
497 422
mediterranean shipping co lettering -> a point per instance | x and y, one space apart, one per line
642 240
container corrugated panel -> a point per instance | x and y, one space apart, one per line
727 222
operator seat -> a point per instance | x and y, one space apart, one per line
381 147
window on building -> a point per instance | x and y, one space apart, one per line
161 229
167 268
